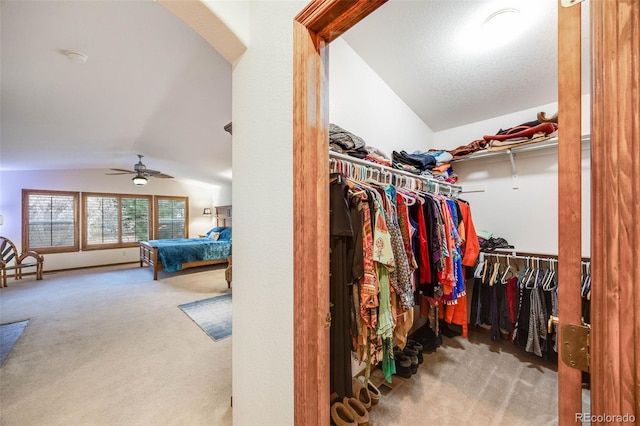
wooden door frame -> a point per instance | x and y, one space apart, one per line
615 381
314 28
569 201
615 201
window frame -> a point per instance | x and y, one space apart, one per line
86 246
156 215
26 193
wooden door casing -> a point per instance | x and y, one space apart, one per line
315 26
615 192
569 201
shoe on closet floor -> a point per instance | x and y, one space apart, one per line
341 415
428 339
450 330
374 392
403 364
412 354
418 348
361 393
358 410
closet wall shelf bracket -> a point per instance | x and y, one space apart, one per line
514 169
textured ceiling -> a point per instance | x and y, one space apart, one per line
432 55
152 86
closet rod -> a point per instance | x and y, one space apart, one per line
454 188
531 257
513 252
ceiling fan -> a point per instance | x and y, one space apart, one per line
141 173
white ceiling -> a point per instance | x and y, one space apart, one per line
152 86
432 55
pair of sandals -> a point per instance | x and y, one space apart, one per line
354 410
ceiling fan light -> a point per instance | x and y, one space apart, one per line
139 180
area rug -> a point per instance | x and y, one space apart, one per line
9 335
213 315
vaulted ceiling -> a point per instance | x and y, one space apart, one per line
152 86
437 57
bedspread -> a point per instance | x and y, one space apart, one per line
172 253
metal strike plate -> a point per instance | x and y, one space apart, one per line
327 320
569 3
575 346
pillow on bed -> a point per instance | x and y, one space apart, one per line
211 231
225 234
214 235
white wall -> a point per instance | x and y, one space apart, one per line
12 183
263 219
362 103
462 135
527 217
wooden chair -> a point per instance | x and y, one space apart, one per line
227 273
11 261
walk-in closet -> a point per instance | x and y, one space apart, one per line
534 277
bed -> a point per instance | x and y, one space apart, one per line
172 255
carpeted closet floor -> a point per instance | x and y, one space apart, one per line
473 381
109 346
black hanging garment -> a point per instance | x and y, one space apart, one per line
342 236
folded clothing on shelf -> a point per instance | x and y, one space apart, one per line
526 133
494 243
420 162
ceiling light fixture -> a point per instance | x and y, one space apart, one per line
76 57
139 180
500 25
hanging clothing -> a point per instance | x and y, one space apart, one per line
390 249
342 240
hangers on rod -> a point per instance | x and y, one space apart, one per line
503 279
358 169
537 271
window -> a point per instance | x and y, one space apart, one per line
171 217
114 220
50 221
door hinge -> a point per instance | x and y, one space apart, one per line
575 346
327 320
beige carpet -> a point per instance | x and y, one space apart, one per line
472 382
109 346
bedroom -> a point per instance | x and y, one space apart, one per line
65 125
262 90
